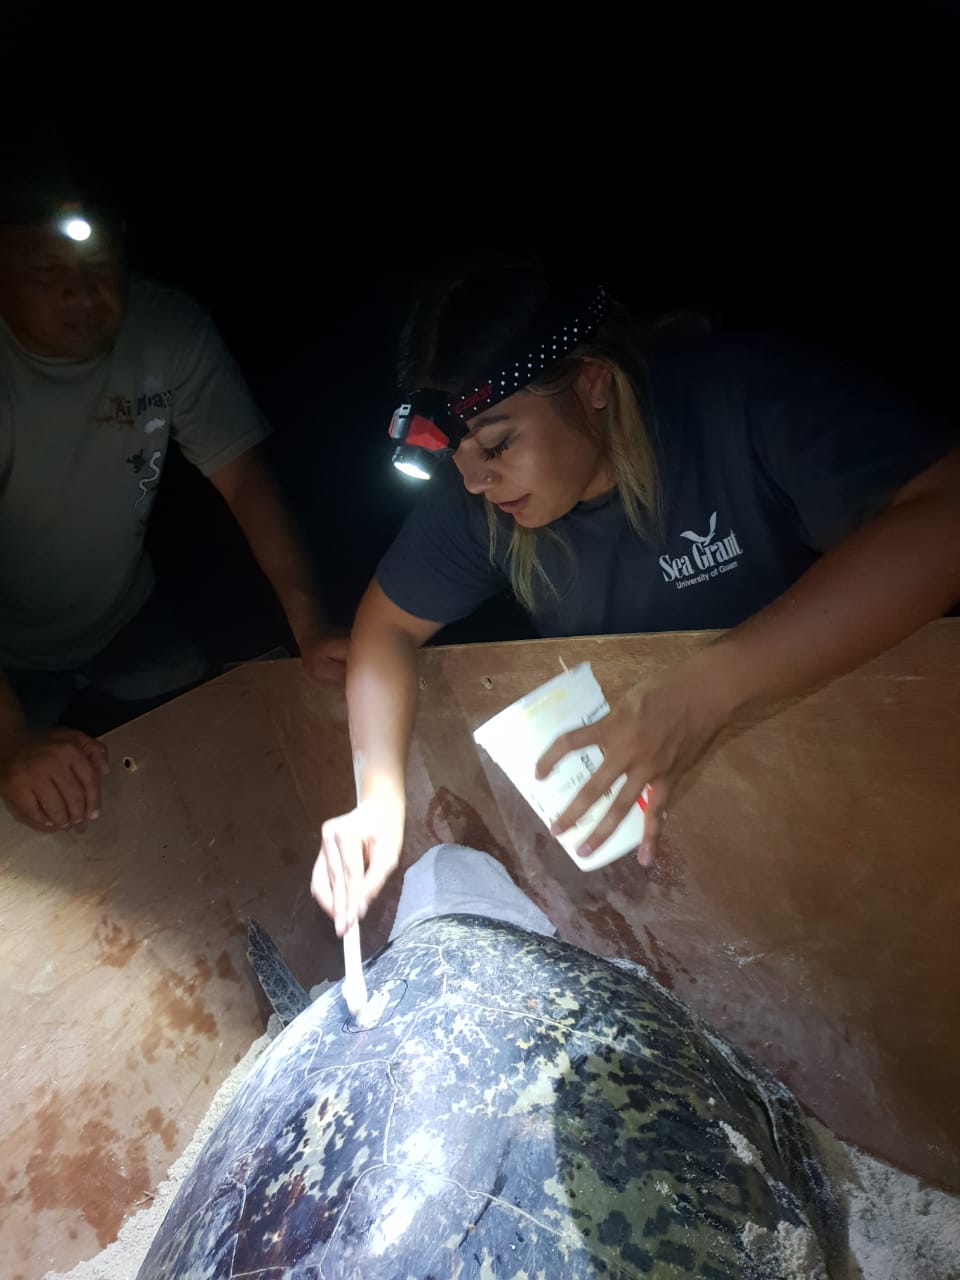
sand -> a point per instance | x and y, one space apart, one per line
899 1228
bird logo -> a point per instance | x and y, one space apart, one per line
699 538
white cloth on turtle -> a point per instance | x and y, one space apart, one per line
453 879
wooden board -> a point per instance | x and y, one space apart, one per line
125 994
808 899
807 903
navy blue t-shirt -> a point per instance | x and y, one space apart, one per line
769 454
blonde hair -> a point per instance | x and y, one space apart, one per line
625 437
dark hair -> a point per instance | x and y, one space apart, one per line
459 322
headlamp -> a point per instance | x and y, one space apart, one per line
429 424
426 430
72 222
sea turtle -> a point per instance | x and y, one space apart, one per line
520 1108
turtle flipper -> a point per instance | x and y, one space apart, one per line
287 997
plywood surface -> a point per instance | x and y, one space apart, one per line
807 901
124 990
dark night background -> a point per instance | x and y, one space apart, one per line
789 172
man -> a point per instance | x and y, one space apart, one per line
97 374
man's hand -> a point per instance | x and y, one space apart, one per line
324 657
51 779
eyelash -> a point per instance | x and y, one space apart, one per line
497 449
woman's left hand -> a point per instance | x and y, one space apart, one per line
653 735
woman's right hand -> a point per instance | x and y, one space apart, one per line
358 852
360 849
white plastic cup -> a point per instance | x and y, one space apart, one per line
517 737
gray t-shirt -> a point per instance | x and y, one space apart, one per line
82 447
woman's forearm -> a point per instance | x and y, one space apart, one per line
361 849
381 698
880 584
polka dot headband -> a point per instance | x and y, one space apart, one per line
434 422
549 338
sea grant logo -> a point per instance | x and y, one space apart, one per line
707 557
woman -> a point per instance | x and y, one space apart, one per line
705 483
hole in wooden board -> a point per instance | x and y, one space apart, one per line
129 763
487 682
